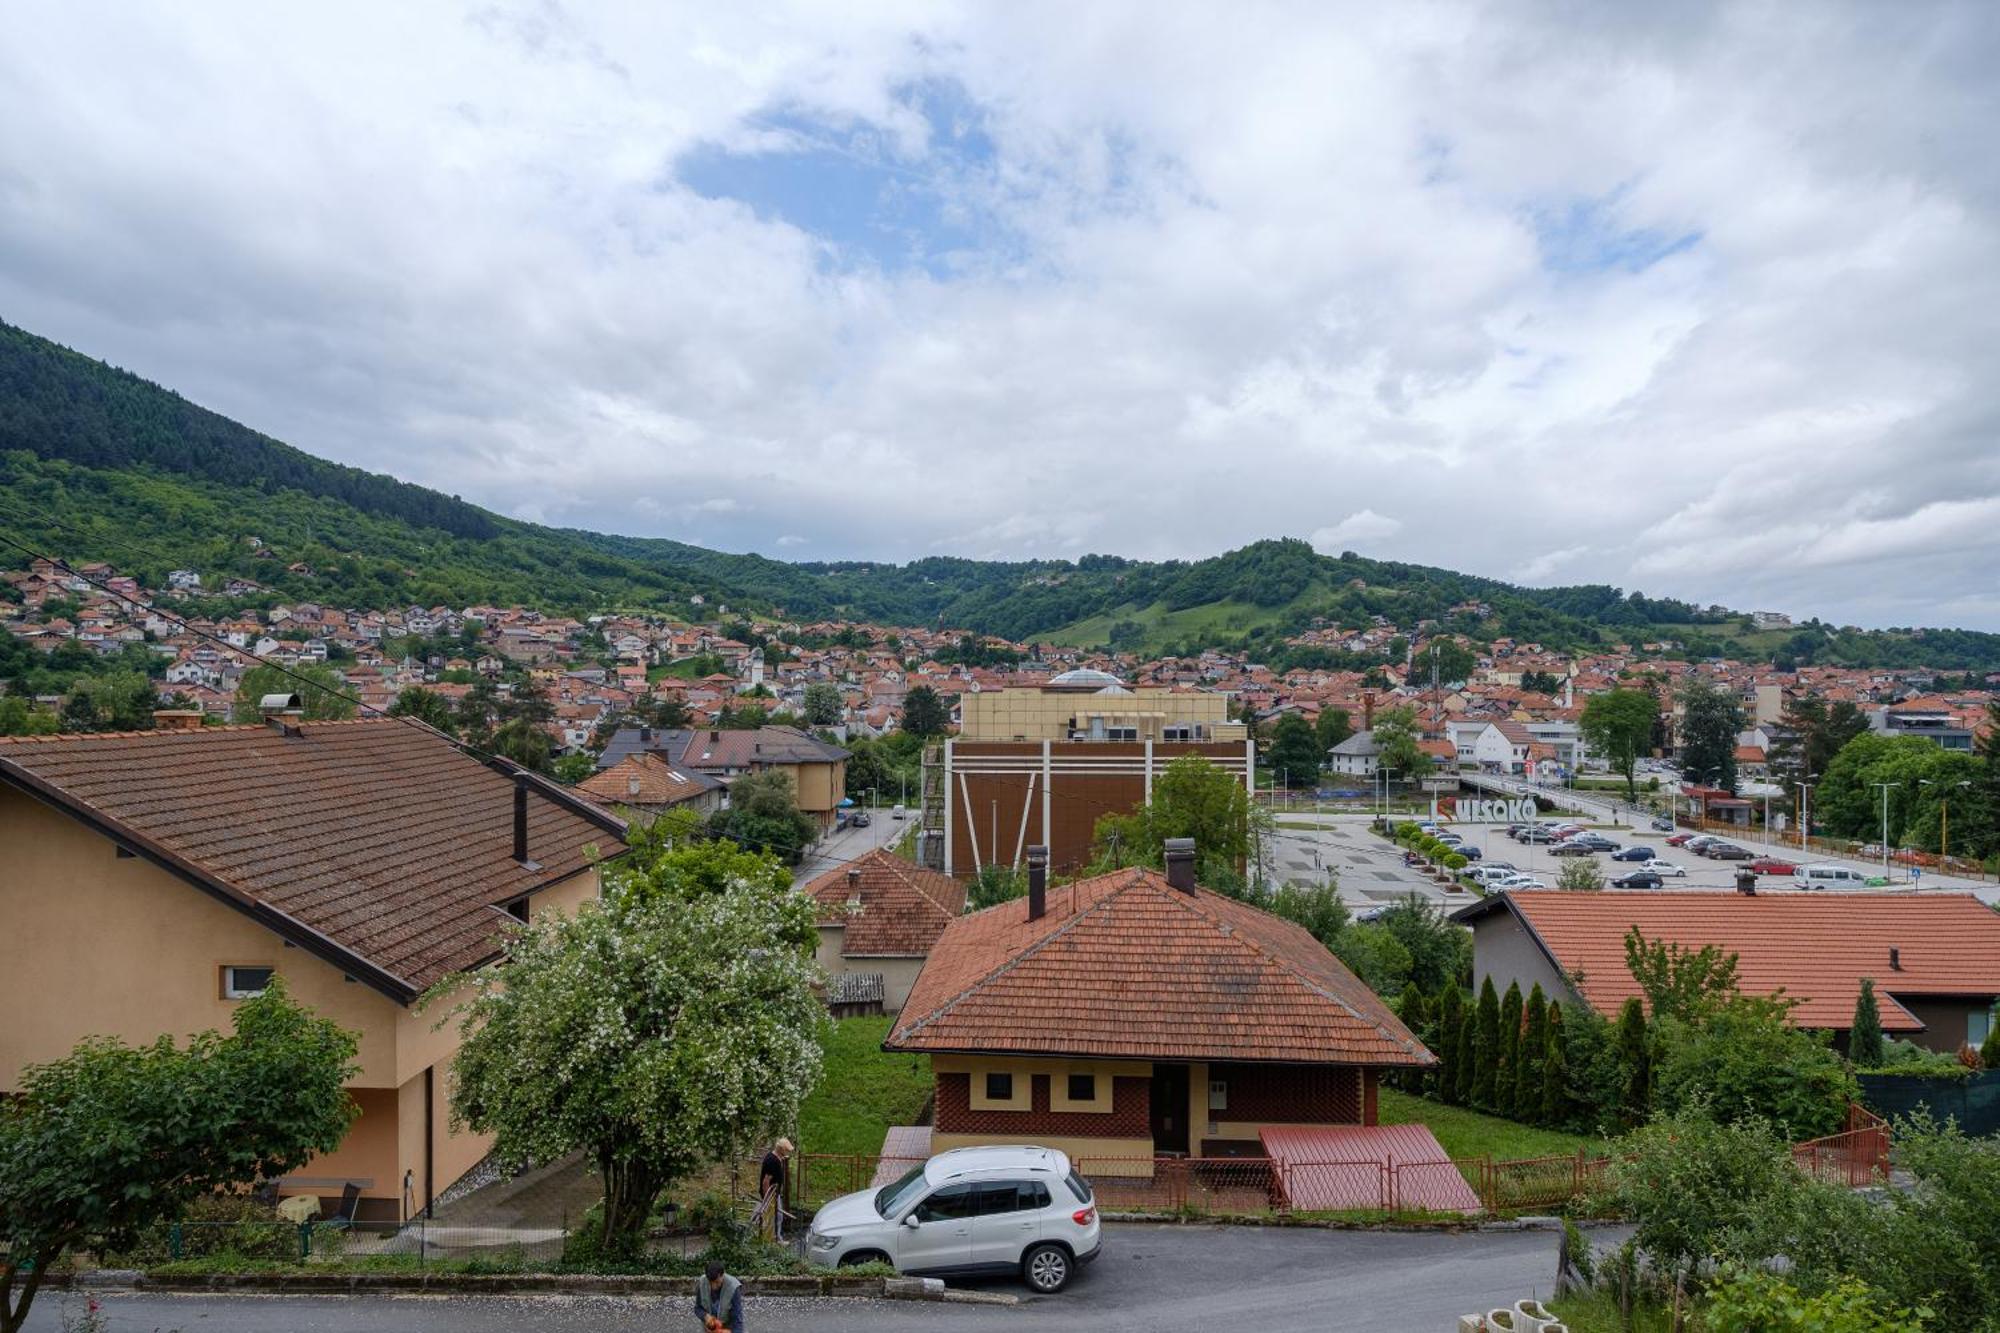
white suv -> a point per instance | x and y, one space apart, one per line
970 1210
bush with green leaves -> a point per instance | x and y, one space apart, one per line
1752 1300
1748 1060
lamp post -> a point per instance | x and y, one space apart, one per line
1805 811
1944 810
1885 822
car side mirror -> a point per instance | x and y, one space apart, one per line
910 1220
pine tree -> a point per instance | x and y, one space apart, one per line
1486 1046
1635 1058
1507 1059
1989 1050
1451 1023
1555 1074
1864 1038
1465 1062
1410 1007
1534 1050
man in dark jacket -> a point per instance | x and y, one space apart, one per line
718 1301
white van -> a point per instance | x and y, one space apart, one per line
1828 876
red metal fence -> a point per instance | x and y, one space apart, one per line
1858 1155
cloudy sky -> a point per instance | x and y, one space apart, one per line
1698 299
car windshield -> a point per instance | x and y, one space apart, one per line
891 1200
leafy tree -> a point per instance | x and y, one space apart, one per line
112 1139
1864 1037
924 714
1529 1074
1507 1059
1581 874
321 692
1333 727
1711 717
426 706
997 882
1810 732
1618 724
1682 983
1486 1047
19 718
1295 756
1450 1025
571 769
1317 907
822 705
122 701
1747 1059
1465 1055
1192 798
763 815
1440 949
1396 736
1989 1050
525 742
1375 956
584 1042
1635 1057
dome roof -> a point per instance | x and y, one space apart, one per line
1084 678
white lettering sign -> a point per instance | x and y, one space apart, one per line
1495 812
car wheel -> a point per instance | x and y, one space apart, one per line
1046 1268
860 1257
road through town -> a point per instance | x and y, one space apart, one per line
1151 1279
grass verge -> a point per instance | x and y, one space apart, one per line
863 1091
1466 1133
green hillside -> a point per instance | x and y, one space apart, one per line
98 464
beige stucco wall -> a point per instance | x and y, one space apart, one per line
1503 949
1037 715
1096 1157
898 974
819 786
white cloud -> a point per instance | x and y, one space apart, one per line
1362 526
1706 294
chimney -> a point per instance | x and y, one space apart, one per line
1368 710
632 785
714 738
1746 883
1038 882
521 826
1895 959
1180 863
282 713
853 881
645 735
176 719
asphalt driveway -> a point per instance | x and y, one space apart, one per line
1271 1279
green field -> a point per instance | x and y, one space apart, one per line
1163 627
1465 1134
863 1091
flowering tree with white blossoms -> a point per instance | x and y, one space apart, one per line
661 1029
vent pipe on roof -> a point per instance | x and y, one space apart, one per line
282 713
1746 883
1895 959
1180 863
521 826
1038 882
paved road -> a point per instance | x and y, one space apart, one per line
1151 1278
842 847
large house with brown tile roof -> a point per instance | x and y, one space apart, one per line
1134 1014
150 879
881 914
818 770
1934 957
647 784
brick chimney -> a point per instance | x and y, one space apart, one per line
1038 882
1368 710
1180 863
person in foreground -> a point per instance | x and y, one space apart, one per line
718 1301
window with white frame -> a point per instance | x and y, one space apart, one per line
242 983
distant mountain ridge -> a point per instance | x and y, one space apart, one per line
97 463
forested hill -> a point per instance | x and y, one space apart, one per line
98 464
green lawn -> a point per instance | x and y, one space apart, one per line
1465 1133
863 1091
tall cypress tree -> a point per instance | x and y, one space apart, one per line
1465 1061
1486 1046
1450 1026
1507 1060
1864 1038
1636 1060
1534 1050
1410 1007
1555 1073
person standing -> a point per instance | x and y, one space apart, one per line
773 1179
718 1300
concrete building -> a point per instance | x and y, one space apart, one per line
1090 705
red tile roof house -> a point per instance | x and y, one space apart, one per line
881 915
150 879
1934 957
1134 1016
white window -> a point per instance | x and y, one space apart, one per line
241 983
1977 1026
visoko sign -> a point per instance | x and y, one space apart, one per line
1495 812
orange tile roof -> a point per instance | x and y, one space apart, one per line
643 779
1125 965
376 841
1817 946
902 910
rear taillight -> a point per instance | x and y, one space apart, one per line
1083 1217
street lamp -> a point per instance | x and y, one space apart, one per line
1885 822
1805 812
1944 810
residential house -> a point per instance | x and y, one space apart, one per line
1134 1016
818 771
1934 957
1355 757
150 880
648 784
881 914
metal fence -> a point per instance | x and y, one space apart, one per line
1858 1155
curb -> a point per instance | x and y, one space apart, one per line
522 1284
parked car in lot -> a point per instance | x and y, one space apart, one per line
1468 851
1520 882
1668 868
1771 865
1638 879
1536 835
1682 839
1490 876
1726 851
1597 842
1635 854
1572 849
1663 826
969 1211
1699 841
860 820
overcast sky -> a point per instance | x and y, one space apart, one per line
1694 299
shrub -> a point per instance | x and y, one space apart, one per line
1748 1300
1864 1037
1486 1046
1749 1061
1507 1059
1700 1189
1528 1078
1635 1060
218 1225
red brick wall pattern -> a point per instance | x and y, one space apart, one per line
1129 1117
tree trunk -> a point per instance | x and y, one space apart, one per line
13 1313
629 1192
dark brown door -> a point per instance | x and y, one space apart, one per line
1170 1108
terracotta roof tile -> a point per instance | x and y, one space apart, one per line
643 778
902 910
379 835
1126 965
1816 946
